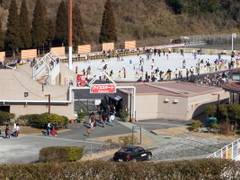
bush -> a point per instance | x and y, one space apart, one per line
185 170
60 154
195 126
81 116
40 120
5 117
124 115
211 110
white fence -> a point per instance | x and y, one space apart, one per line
230 151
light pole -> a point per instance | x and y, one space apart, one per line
49 103
70 49
234 35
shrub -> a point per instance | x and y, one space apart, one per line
124 115
5 117
211 110
40 120
81 116
195 126
60 154
127 140
185 170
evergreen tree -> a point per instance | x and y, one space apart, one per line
108 29
51 32
39 25
1 37
175 5
12 39
61 31
79 33
25 30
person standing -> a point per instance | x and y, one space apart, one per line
7 131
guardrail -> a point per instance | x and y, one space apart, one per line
230 151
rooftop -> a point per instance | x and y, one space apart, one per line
14 83
172 88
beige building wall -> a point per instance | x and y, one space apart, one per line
38 109
197 104
146 107
174 108
170 107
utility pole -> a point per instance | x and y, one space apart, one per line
70 34
49 103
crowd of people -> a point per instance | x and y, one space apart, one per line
144 73
11 132
101 118
50 130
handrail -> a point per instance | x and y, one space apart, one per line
230 151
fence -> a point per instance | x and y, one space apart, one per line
230 151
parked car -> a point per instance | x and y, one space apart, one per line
132 153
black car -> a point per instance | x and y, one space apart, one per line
132 153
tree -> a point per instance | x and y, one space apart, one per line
61 24
79 33
12 38
25 30
50 32
1 37
108 30
175 5
39 25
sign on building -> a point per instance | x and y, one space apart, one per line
84 49
58 51
103 88
28 54
130 44
107 46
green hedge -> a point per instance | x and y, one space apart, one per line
60 154
5 117
40 120
185 170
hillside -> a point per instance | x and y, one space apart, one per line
153 19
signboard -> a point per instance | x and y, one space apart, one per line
103 88
130 44
84 49
234 35
2 56
107 46
81 80
58 51
28 54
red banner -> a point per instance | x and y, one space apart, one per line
103 88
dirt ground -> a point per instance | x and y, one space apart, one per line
177 131
146 141
24 130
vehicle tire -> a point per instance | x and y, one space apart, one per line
149 157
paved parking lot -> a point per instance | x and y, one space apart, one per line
161 124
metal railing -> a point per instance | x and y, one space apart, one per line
230 151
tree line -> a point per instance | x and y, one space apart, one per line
225 8
42 32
